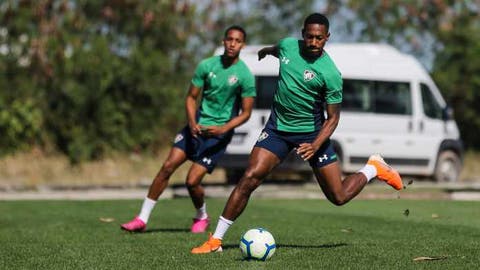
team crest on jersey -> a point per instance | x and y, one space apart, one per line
232 79
178 138
308 75
262 136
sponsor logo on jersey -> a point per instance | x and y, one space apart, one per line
212 75
232 79
308 75
178 138
262 136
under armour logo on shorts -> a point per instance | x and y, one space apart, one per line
207 160
323 158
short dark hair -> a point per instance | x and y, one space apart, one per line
238 28
316 18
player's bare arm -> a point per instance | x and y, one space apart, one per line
272 50
307 150
247 106
191 107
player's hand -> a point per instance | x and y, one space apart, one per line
211 131
306 151
262 53
195 129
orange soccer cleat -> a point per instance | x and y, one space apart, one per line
385 172
211 245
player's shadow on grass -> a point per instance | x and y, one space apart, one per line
174 230
231 246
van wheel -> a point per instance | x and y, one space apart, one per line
234 175
448 167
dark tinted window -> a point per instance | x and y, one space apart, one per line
266 87
377 97
430 105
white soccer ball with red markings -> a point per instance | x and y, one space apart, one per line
257 244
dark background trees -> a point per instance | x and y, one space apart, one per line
87 77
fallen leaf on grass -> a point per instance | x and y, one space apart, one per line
346 230
435 216
408 184
434 258
106 219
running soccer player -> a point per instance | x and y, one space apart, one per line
226 85
308 78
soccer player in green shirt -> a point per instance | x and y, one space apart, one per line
226 86
308 79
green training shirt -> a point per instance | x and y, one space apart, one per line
222 89
304 86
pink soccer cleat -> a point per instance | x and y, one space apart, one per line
136 225
200 225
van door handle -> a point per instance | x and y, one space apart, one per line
410 126
420 126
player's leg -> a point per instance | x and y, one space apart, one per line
197 193
339 192
328 174
261 163
209 151
175 158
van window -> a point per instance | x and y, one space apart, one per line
266 87
431 107
377 97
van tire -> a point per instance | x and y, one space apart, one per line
448 167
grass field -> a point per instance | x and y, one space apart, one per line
310 234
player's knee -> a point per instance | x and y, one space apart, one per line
192 183
337 200
248 183
168 168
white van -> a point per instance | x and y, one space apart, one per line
390 106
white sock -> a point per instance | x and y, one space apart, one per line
369 171
222 227
202 212
147 208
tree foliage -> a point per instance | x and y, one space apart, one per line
86 77
94 75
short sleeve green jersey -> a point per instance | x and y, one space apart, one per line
304 86
222 89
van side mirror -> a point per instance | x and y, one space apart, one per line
447 113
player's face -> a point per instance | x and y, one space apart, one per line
315 37
233 43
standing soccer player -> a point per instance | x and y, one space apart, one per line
226 85
308 79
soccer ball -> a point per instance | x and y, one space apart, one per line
257 244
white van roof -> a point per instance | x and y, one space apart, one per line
354 60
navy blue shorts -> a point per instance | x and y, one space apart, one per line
281 143
205 151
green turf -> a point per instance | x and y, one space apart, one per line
310 234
